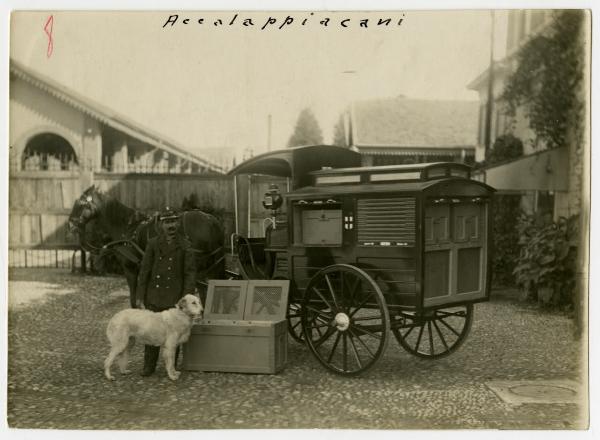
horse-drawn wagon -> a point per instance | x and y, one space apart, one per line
372 252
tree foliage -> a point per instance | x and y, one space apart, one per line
545 83
307 131
339 133
506 147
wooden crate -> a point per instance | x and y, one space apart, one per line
244 329
240 347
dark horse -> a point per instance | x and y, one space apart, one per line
128 232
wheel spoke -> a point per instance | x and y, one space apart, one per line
366 300
363 343
364 330
444 313
439 332
318 329
322 297
294 319
405 335
320 313
448 325
331 291
355 352
345 351
337 340
318 326
367 318
353 292
432 351
419 338
323 337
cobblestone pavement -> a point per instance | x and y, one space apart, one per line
57 346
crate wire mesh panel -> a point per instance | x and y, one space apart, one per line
226 300
266 300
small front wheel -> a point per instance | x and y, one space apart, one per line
435 333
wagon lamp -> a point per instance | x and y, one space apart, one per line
272 200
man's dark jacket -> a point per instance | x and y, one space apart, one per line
167 273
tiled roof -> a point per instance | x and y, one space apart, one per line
416 123
107 116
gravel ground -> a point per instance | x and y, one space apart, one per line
57 346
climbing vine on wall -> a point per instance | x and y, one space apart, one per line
546 81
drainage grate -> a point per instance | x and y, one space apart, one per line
537 391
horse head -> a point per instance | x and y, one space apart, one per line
85 208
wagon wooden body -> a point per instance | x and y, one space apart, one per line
373 252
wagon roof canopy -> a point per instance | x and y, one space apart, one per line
395 187
298 162
401 168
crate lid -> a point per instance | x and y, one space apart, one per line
266 300
225 299
243 300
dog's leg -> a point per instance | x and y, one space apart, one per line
114 352
169 355
123 358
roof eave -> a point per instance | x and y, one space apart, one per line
113 121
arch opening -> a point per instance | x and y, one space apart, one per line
49 152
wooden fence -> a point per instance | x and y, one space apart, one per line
39 206
40 202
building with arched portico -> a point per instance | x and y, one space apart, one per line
53 128
61 142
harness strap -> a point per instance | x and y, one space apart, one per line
126 252
121 246
125 242
216 251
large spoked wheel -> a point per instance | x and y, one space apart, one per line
345 319
434 334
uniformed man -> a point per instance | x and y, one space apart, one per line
167 273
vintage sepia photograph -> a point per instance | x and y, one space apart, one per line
297 219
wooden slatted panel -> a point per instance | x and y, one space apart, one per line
386 220
14 228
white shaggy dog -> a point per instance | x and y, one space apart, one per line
166 329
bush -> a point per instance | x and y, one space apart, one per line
546 267
506 147
505 209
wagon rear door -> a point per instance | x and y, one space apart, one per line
456 247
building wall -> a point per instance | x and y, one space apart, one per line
566 178
33 111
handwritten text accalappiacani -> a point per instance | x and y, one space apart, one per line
285 22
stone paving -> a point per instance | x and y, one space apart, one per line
57 346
